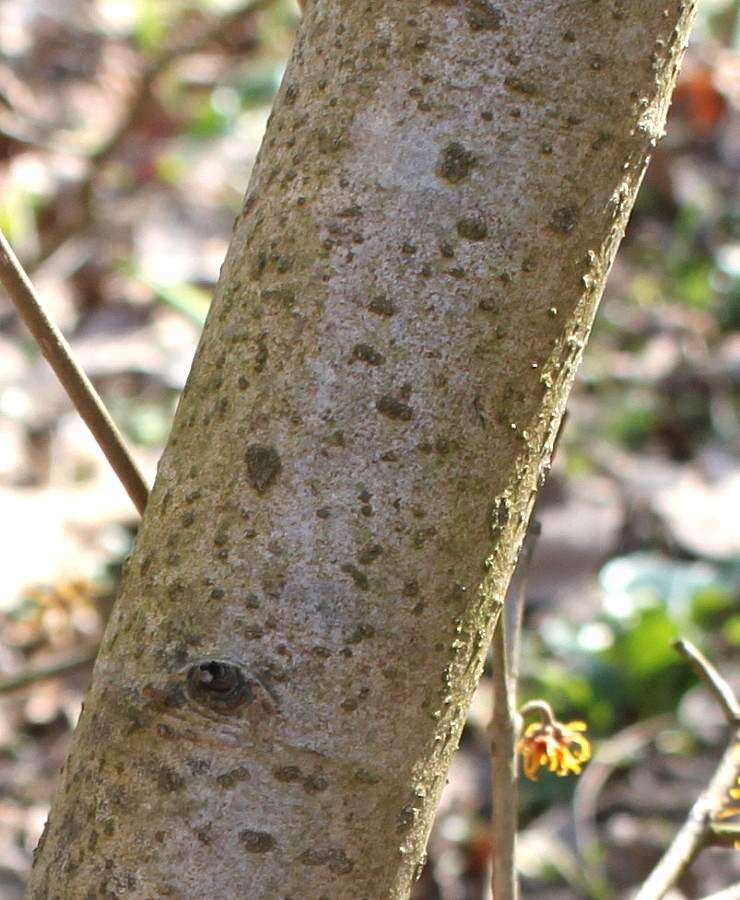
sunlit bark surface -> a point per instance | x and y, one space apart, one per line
440 192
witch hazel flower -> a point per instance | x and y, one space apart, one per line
547 743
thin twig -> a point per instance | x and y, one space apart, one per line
696 832
541 708
724 835
730 893
700 828
505 728
723 693
514 607
57 352
504 771
31 675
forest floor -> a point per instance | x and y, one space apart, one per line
126 141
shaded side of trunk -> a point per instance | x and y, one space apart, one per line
439 196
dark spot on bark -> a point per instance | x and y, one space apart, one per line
287 773
258 266
291 93
334 858
521 85
328 141
407 818
603 138
394 408
315 784
263 466
279 296
455 162
198 765
483 16
444 445
350 212
232 778
565 218
368 354
168 780
360 578
472 228
262 354
363 776
369 554
411 588
382 306
257 841
361 633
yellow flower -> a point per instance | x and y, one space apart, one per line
730 812
562 748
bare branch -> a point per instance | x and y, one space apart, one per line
29 675
701 828
724 835
505 727
721 690
83 395
504 771
730 893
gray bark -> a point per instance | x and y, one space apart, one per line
436 204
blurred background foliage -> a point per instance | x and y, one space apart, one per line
127 133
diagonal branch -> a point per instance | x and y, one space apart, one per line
58 354
730 893
721 690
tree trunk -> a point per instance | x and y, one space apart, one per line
436 204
